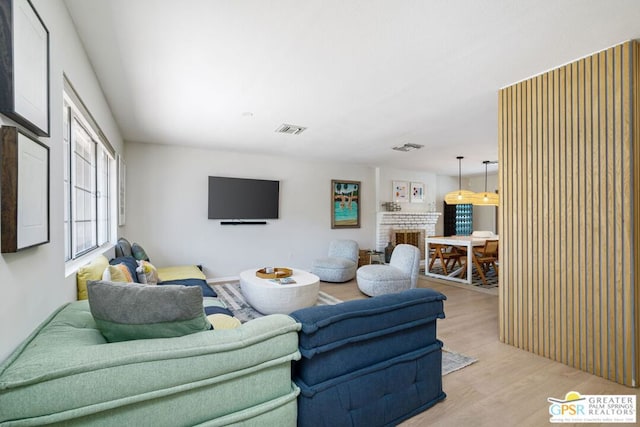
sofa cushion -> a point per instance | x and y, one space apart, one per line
91 271
333 262
66 374
355 334
179 272
353 318
133 311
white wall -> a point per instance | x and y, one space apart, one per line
33 282
484 217
444 185
385 188
167 209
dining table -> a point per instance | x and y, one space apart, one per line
468 242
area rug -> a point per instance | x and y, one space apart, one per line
476 280
232 296
453 361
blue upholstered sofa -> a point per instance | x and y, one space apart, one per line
372 362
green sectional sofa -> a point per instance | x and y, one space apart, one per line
66 373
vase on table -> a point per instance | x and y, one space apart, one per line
387 252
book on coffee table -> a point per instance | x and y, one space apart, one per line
284 281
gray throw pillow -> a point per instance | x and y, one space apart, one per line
129 311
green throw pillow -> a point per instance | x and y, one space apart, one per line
130 311
139 253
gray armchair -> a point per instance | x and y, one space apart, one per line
401 273
341 263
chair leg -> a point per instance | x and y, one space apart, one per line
435 255
480 270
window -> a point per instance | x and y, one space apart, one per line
89 181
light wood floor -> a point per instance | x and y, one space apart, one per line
507 386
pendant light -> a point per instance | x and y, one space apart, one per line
460 196
486 198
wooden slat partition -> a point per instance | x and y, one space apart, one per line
570 215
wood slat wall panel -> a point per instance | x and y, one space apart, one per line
634 157
568 215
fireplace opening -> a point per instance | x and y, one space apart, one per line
409 237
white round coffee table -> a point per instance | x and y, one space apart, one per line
269 297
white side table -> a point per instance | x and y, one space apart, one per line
269 297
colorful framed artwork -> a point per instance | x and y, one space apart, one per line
400 191
417 192
24 193
345 204
24 69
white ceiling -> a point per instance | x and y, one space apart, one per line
363 76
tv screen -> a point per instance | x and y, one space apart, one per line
241 198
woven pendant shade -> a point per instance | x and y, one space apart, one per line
460 196
485 198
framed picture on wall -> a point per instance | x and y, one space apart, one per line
345 204
24 192
417 192
122 178
400 191
24 68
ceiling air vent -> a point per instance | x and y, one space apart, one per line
290 129
408 147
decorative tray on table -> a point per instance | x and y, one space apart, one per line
274 272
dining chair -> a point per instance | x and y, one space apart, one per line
486 257
446 254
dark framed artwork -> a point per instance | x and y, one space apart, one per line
345 204
24 66
24 192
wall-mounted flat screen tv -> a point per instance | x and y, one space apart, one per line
242 198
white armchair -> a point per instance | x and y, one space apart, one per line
401 273
341 263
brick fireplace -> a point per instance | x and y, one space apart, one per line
409 227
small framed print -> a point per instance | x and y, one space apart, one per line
417 192
400 191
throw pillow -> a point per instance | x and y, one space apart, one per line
91 271
132 311
130 262
139 252
123 247
223 321
147 273
117 273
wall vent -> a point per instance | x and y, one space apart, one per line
408 147
290 129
